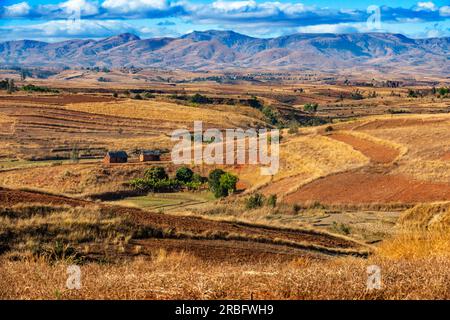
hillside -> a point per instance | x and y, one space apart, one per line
210 50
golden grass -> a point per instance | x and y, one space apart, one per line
5 119
166 112
306 158
79 179
317 156
27 227
427 217
428 170
180 276
413 266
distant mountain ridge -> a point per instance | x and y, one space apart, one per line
209 50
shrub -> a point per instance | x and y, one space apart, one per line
271 115
149 95
443 91
272 200
33 88
137 97
255 103
198 178
200 99
184 175
152 185
329 129
296 208
311 107
155 173
357 95
255 201
193 185
293 128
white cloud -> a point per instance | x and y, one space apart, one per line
66 29
17 10
227 6
427 6
333 28
445 11
85 8
134 6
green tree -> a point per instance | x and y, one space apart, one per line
156 173
184 174
228 183
255 103
214 179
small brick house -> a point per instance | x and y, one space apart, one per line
116 157
150 155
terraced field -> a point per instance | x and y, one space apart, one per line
52 126
208 239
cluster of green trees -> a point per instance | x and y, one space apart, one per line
442 92
156 179
33 88
200 99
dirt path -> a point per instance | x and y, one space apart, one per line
378 153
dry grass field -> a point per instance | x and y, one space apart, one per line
364 180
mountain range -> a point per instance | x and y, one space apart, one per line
221 50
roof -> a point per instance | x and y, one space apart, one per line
117 154
151 152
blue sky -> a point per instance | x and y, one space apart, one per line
56 20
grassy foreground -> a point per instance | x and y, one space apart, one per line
414 265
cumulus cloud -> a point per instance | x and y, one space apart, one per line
445 11
240 14
426 6
61 29
17 10
127 6
333 28
85 8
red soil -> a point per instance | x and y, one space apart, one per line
362 188
58 99
376 152
398 123
227 251
446 156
